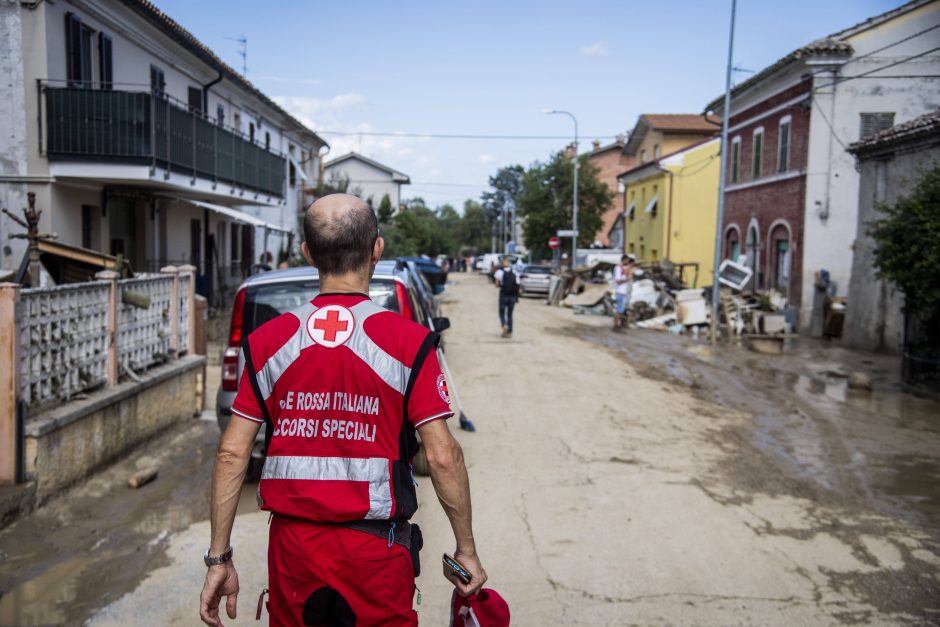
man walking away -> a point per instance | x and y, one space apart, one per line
623 281
341 385
508 285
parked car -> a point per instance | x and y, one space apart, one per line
265 296
534 279
435 275
425 290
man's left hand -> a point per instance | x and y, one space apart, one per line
221 581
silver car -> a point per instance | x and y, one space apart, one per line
534 280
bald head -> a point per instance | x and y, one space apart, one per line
340 231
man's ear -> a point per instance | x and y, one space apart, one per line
306 253
377 250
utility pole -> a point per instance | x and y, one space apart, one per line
574 200
719 236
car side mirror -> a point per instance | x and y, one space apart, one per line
438 289
441 324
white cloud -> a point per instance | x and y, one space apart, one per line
318 112
485 158
597 49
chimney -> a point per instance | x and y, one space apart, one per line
570 151
597 145
621 139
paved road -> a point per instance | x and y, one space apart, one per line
611 488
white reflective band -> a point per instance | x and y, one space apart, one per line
389 369
374 470
287 354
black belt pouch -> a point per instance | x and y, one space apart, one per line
417 541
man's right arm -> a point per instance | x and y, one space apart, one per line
449 477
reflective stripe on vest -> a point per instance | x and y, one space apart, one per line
389 369
372 470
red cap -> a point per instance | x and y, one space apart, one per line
483 609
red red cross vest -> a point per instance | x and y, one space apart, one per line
334 379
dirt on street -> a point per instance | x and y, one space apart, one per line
617 479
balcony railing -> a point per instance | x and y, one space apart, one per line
142 127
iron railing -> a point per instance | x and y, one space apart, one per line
147 128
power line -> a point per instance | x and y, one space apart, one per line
885 67
895 43
456 135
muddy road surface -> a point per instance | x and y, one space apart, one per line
617 479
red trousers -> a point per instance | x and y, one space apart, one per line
333 576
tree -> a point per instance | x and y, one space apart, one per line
546 198
385 212
476 228
907 249
338 183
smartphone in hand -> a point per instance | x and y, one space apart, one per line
454 566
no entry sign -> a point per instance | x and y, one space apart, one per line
554 242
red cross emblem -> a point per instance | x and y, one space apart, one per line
442 388
330 326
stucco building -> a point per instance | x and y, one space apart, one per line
368 178
139 141
791 201
890 163
671 209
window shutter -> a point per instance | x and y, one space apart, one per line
874 123
105 63
73 49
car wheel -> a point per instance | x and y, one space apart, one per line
420 463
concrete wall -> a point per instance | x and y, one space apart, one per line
12 130
832 191
66 444
874 319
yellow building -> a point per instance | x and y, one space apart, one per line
670 207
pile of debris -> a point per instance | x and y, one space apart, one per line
661 300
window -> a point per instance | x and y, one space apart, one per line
291 172
735 251
267 140
757 157
237 122
251 132
656 152
157 81
653 255
735 159
632 248
105 64
78 38
643 156
874 123
220 115
783 145
194 100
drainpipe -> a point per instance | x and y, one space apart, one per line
205 94
669 216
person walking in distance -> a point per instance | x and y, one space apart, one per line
623 282
342 386
508 285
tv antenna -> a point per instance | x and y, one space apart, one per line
242 52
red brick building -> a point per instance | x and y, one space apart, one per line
765 193
610 161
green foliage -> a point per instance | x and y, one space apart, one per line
546 197
385 212
907 247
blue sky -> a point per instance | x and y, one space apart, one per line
489 67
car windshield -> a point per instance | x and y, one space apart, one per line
537 270
267 301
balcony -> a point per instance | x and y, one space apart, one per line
134 127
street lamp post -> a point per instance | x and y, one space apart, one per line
574 201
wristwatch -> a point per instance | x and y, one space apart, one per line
218 559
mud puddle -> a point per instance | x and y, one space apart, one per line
91 545
824 440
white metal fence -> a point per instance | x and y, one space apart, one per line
78 337
63 334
